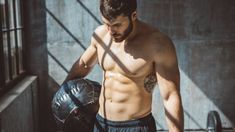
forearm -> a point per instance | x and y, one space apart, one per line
174 113
78 70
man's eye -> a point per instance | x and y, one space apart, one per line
105 24
117 25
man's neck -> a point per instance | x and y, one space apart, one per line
134 32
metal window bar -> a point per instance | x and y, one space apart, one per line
8 41
23 34
16 38
2 64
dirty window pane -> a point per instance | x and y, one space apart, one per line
13 54
20 48
12 42
6 56
18 13
11 13
3 13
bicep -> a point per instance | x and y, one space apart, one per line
89 57
168 80
167 71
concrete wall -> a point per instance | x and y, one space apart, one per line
70 25
204 35
202 31
18 108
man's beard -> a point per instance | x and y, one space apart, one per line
121 37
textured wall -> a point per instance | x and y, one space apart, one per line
204 35
70 25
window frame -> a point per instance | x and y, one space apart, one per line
15 29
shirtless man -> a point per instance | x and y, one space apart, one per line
134 57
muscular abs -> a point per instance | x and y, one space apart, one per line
128 80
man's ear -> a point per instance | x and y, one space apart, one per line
134 16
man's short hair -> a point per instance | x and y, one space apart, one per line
110 9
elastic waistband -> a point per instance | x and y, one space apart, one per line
136 122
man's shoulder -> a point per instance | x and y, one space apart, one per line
154 35
99 34
159 43
160 39
100 31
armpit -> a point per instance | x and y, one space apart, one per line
150 82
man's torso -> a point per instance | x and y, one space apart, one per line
126 67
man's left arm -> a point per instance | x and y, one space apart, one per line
167 72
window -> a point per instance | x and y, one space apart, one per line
12 48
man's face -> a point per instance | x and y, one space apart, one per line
119 28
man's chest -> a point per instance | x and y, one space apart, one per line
130 61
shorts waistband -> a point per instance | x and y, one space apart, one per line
136 122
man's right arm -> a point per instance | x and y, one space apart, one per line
84 64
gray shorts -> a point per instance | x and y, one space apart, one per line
145 124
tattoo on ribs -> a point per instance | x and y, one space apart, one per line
150 82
